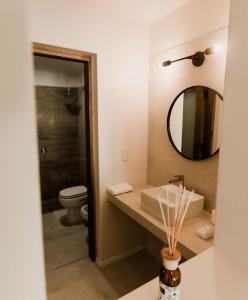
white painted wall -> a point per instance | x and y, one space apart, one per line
232 204
217 124
176 122
122 49
21 251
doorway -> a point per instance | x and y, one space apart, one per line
67 138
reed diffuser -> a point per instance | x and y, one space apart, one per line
170 275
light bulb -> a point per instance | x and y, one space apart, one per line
166 63
218 48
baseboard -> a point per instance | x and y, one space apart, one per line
108 261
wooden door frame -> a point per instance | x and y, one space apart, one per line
91 115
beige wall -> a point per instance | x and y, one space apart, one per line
122 49
196 18
232 205
165 85
21 260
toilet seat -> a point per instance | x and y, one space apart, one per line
73 192
80 198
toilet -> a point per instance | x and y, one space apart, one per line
73 198
84 213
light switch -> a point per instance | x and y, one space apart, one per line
124 154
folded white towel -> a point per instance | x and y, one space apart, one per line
120 189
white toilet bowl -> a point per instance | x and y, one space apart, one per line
84 213
73 199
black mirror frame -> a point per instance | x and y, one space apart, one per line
168 122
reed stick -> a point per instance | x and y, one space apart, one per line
182 219
163 217
175 215
180 209
168 219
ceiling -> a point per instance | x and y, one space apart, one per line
141 11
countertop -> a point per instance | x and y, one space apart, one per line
189 243
207 276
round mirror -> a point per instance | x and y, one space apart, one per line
194 121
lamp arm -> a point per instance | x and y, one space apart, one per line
186 57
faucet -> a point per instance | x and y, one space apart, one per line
178 179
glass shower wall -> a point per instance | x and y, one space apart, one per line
62 141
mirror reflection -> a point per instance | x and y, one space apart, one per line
193 122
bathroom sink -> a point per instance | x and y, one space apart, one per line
150 204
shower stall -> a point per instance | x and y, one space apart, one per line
60 97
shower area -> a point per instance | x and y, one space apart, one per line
62 138
61 127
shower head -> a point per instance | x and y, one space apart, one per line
74 94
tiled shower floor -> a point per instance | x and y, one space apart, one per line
62 245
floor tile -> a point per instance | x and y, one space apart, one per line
71 275
84 280
63 245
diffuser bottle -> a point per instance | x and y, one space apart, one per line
170 276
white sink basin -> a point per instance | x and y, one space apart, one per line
150 204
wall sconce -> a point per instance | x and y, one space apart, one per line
197 58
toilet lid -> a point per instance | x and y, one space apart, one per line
75 191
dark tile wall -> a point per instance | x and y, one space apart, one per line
60 113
